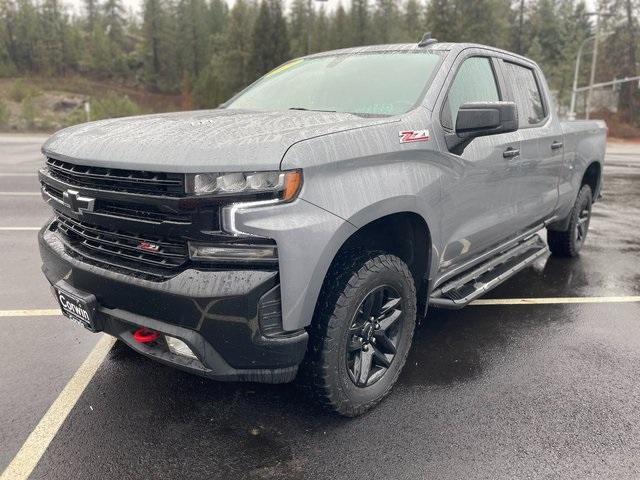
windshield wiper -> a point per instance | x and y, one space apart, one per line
311 109
363 115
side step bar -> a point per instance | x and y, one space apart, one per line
461 290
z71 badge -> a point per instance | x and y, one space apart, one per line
410 136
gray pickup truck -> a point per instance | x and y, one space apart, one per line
303 227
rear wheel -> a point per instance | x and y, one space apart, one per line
568 243
362 331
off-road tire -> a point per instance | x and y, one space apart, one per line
325 372
569 242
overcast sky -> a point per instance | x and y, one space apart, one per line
330 4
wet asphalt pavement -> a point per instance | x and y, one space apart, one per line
501 391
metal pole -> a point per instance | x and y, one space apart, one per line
87 110
611 83
594 59
572 109
574 92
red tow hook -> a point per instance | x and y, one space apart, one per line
145 335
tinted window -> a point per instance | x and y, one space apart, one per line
527 94
385 83
474 82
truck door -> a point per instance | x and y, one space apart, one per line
476 209
537 169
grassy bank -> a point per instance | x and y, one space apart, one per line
34 104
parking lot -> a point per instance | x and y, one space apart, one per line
537 380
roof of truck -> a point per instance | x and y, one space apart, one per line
408 47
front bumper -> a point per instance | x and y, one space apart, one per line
216 313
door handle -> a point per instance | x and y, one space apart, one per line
511 152
556 145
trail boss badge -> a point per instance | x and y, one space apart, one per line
410 136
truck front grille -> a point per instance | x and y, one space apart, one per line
134 222
142 212
143 254
118 180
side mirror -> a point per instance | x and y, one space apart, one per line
478 119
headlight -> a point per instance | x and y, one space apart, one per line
282 185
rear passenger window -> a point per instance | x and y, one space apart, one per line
474 82
527 94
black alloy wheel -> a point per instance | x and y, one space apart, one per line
373 336
582 225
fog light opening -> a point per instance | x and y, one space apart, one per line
178 347
145 335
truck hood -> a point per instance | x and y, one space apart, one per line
198 141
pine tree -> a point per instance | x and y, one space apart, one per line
301 20
547 31
237 44
49 43
478 21
26 36
261 54
628 98
279 34
386 22
413 24
218 14
320 36
574 29
340 29
519 31
622 36
98 58
152 27
359 22
484 21
440 20
209 89
270 39
158 47
193 31
114 22
7 38
92 8
71 43
6 65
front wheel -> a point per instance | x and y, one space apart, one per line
361 333
567 243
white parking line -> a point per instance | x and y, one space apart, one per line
38 441
20 194
30 313
554 300
10 138
19 229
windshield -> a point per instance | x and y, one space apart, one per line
380 83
